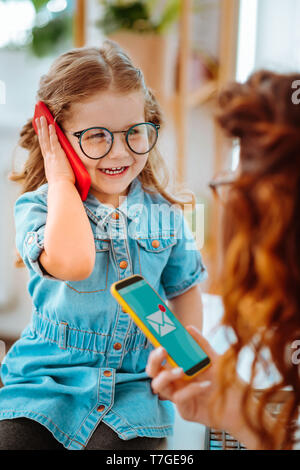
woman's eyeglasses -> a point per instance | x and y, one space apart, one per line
96 142
221 185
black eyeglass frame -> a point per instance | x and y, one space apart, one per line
214 184
218 182
79 135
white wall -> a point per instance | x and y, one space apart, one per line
20 74
278 35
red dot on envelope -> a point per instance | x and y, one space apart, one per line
162 308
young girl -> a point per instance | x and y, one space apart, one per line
76 378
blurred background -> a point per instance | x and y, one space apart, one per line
187 50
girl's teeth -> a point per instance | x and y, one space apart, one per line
113 171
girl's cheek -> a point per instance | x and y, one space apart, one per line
141 162
88 163
88 166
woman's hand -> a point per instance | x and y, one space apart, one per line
192 398
57 166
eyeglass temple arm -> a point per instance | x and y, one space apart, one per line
215 183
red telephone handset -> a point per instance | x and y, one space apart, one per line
83 179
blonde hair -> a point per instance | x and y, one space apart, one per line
74 76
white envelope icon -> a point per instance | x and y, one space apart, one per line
161 323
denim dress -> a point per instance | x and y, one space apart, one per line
82 360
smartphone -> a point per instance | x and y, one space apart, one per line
82 177
160 325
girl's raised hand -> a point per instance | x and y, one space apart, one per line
57 165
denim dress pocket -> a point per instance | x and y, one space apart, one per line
97 281
154 253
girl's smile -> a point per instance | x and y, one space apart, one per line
114 172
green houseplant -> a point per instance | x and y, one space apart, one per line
144 16
144 29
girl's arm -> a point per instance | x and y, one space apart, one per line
69 251
69 248
187 307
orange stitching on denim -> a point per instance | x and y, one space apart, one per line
89 332
82 423
77 442
86 332
139 258
169 426
44 337
154 238
69 346
123 419
70 328
38 414
85 292
95 407
113 428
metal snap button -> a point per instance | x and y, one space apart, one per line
30 239
107 373
117 346
101 408
123 264
155 243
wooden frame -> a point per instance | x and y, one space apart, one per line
79 26
229 26
227 55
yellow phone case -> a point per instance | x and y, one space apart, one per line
126 308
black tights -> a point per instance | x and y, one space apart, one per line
26 434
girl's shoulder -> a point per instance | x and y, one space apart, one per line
37 195
32 201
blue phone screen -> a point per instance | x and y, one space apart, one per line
163 324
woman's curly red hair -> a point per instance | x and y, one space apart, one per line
261 279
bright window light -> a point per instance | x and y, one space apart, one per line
56 6
246 53
16 20
235 157
246 39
